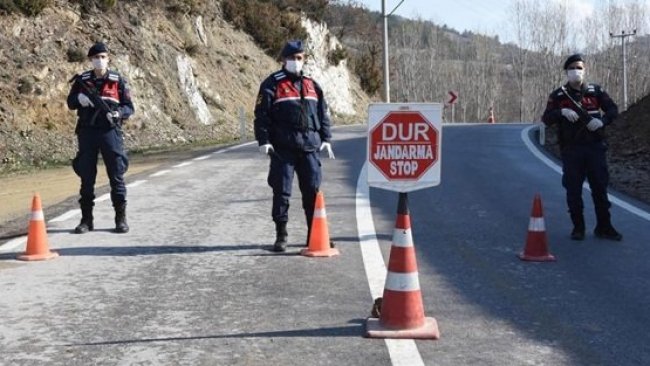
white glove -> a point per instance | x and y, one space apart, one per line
113 117
570 114
594 124
327 146
84 100
266 149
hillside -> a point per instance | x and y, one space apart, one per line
630 151
190 75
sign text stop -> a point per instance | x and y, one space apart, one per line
403 145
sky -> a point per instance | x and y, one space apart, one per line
479 16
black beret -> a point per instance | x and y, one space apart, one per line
291 48
572 59
98 47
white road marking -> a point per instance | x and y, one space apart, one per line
136 183
202 157
103 197
615 200
235 147
403 352
160 173
68 215
185 163
13 244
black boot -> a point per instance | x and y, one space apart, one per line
604 228
86 223
281 234
121 226
608 232
578 232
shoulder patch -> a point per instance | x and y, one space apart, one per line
86 75
279 75
113 76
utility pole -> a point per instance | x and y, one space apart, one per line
622 36
386 71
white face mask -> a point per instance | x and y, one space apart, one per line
293 66
575 75
100 63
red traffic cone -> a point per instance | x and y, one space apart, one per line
402 310
319 237
37 246
536 249
491 116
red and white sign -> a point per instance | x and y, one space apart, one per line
453 96
404 146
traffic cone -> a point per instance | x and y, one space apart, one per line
37 246
536 249
402 310
319 237
491 116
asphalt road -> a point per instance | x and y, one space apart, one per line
193 283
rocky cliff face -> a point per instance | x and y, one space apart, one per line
191 77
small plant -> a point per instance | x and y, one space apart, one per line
32 7
336 55
134 20
75 55
185 6
8 6
367 68
107 4
192 48
271 31
25 85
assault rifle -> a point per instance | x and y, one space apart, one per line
583 116
96 99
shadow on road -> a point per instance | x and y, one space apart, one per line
143 250
356 329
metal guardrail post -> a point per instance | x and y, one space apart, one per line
242 124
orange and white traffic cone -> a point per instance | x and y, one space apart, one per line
536 249
402 310
37 245
319 237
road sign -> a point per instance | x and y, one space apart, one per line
453 96
404 146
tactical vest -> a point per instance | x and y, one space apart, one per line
577 133
106 88
297 104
